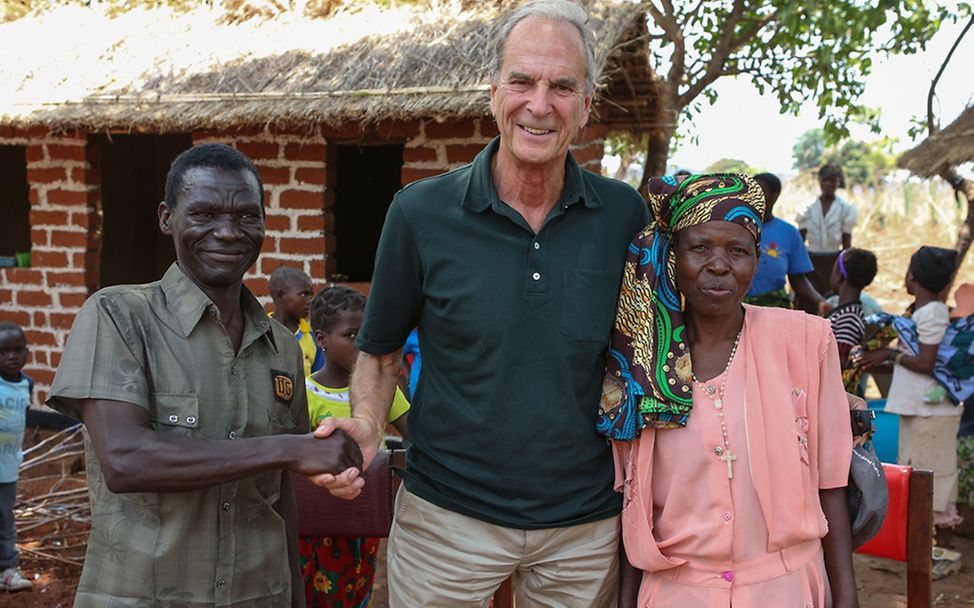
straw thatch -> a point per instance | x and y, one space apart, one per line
163 71
952 146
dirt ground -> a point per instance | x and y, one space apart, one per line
882 583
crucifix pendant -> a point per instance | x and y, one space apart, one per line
729 458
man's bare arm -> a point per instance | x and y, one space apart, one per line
136 458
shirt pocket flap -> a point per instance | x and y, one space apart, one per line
176 410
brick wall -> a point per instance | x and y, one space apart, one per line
65 215
64 224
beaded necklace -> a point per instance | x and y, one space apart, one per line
724 454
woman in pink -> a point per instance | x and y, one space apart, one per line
730 423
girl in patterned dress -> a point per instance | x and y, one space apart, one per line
339 570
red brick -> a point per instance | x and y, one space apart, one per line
279 223
350 130
19 317
257 286
23 276
462 153
308 175
79 259
66 197
32 298
398 129
80 175
275 175
593 132
72 300
60 152
269 263
419 155
48 259
61 320
269 245
35 153
260 150
488 128
6 296
588 154
317 270
309 245
449 130
411 175
33 197
43 377
40 319
73 278
41 217
302 199
311 223
55 360
46 176
40 237
305 152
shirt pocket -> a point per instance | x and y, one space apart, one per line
176 412
588 305
799 403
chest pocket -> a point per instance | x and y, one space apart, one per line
589 305
176 412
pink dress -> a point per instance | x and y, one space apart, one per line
707 541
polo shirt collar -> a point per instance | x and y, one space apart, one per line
481 193
187 303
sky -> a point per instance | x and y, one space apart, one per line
898 86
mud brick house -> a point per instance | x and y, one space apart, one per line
337 112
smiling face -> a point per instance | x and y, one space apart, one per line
828 184
217 226
715 262
538 97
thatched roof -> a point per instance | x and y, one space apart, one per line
951 146
164 71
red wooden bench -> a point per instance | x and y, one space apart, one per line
321 514
907 532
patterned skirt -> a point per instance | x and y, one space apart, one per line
338 570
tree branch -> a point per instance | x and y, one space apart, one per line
672 29
931 126
722 50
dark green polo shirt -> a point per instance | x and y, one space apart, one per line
513 328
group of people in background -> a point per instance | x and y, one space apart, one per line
595 371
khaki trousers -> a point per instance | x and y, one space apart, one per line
442 559
930 442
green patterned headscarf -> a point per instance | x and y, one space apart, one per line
648 369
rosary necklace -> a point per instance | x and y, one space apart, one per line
723 453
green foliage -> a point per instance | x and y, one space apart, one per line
808 150
864 163
731 165
798 51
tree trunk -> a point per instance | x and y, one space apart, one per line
660 139
657 153
964 188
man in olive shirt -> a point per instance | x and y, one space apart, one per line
511 269
192 399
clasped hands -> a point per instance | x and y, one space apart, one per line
366 437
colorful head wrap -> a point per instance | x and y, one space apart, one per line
648 369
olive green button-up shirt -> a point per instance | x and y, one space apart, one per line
161 346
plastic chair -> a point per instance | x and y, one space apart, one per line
321 514
907 532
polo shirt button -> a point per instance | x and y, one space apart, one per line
727 515
174 419
727 575
536 276
226 506
233 370
537 245
232 435
221 583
